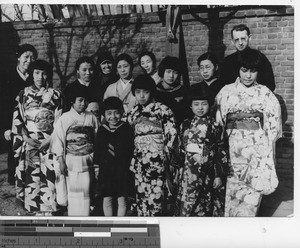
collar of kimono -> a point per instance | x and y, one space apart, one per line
241 85
177 86
83 83
23 76
106 126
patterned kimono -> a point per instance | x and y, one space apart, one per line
35 113
155 133
252 118
205 158
73 137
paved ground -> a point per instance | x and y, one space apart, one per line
278 204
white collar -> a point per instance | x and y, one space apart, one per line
84 83
124 85
23 76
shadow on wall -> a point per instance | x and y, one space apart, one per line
112 34
8 44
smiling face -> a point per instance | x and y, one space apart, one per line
147 64
113 116
248 76
25 60
207 70
39 78
80 104
200 107
142 96
240 40
124 69
106 67
85 72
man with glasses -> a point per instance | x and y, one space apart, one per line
241 37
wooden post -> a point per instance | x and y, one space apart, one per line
175 40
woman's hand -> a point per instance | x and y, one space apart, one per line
217 183
62 166
44 145
32 142
7 135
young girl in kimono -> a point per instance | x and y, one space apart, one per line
113 153
251 116
73 141
205 161
155 133
122 88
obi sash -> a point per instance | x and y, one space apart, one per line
80 140
248 121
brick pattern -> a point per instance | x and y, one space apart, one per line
272 30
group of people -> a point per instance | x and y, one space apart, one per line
146 145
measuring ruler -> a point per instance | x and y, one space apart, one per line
48 233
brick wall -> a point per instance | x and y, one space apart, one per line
64 42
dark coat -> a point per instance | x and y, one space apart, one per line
230 71
113 153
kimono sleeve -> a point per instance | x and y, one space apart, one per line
59 102
272 116
97 147
18 126
58 137
169 127
18 123
221 161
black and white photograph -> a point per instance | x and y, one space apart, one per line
150 110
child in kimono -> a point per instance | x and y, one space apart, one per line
113 153
73 143
155 133
251 116
201 191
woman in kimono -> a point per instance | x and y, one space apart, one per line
73 144
38 107
251 116
17 81
202 191
155 133
122 88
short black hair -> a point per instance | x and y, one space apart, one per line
78 91
200 91
240 27
250 59
25 48
147 53
145 82
84 59
40 65
127 58
208 56
169 62
110 103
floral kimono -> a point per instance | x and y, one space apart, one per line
34 116
155 133
205 158
252 119
73 137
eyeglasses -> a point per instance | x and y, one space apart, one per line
208 67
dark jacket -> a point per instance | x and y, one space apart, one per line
230 71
